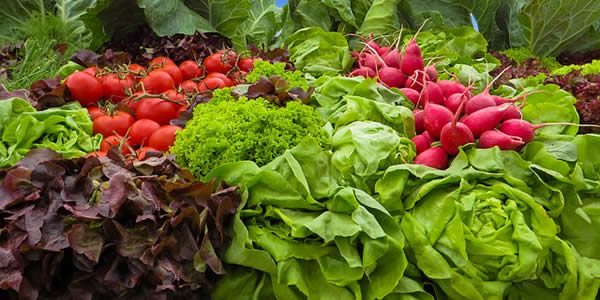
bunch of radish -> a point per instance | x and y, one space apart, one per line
454 117
393 67
447 115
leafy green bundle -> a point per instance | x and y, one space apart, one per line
302 235
66 130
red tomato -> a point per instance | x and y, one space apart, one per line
163 138
141 131
189 86
157 110
97 154
137 72
142 152
116 141
246 64
84 88
226 80
174 96
190 69
210 84
182 109
110 125
137 69
91 70
175 73
134 101
115 89
221 62
237 77
161 61
158 81
95 112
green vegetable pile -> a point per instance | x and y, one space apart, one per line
301 235
335 201
229 129
66 130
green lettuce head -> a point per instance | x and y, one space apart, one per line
363 149
478 230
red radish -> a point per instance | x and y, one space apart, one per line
450 87
422 142
499 100
383 51
455 134
485 119
453 101
370 61
391 77
419 120
373 44
412 59
433 157
519 128
504 141
436 116
364 72
526 130
416 81
411 94
432 93
392 59
431 71
478 102
512 112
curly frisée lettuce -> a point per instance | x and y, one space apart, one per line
229 129
266 69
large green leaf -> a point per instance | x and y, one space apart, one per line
381 18
14 15
112 18
547 27
261 25
225 16
318 52
173 16
108 18
70 11
456 13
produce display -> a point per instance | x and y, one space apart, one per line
316 149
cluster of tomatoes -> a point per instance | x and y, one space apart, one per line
132 105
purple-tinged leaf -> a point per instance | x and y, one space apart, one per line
85 241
